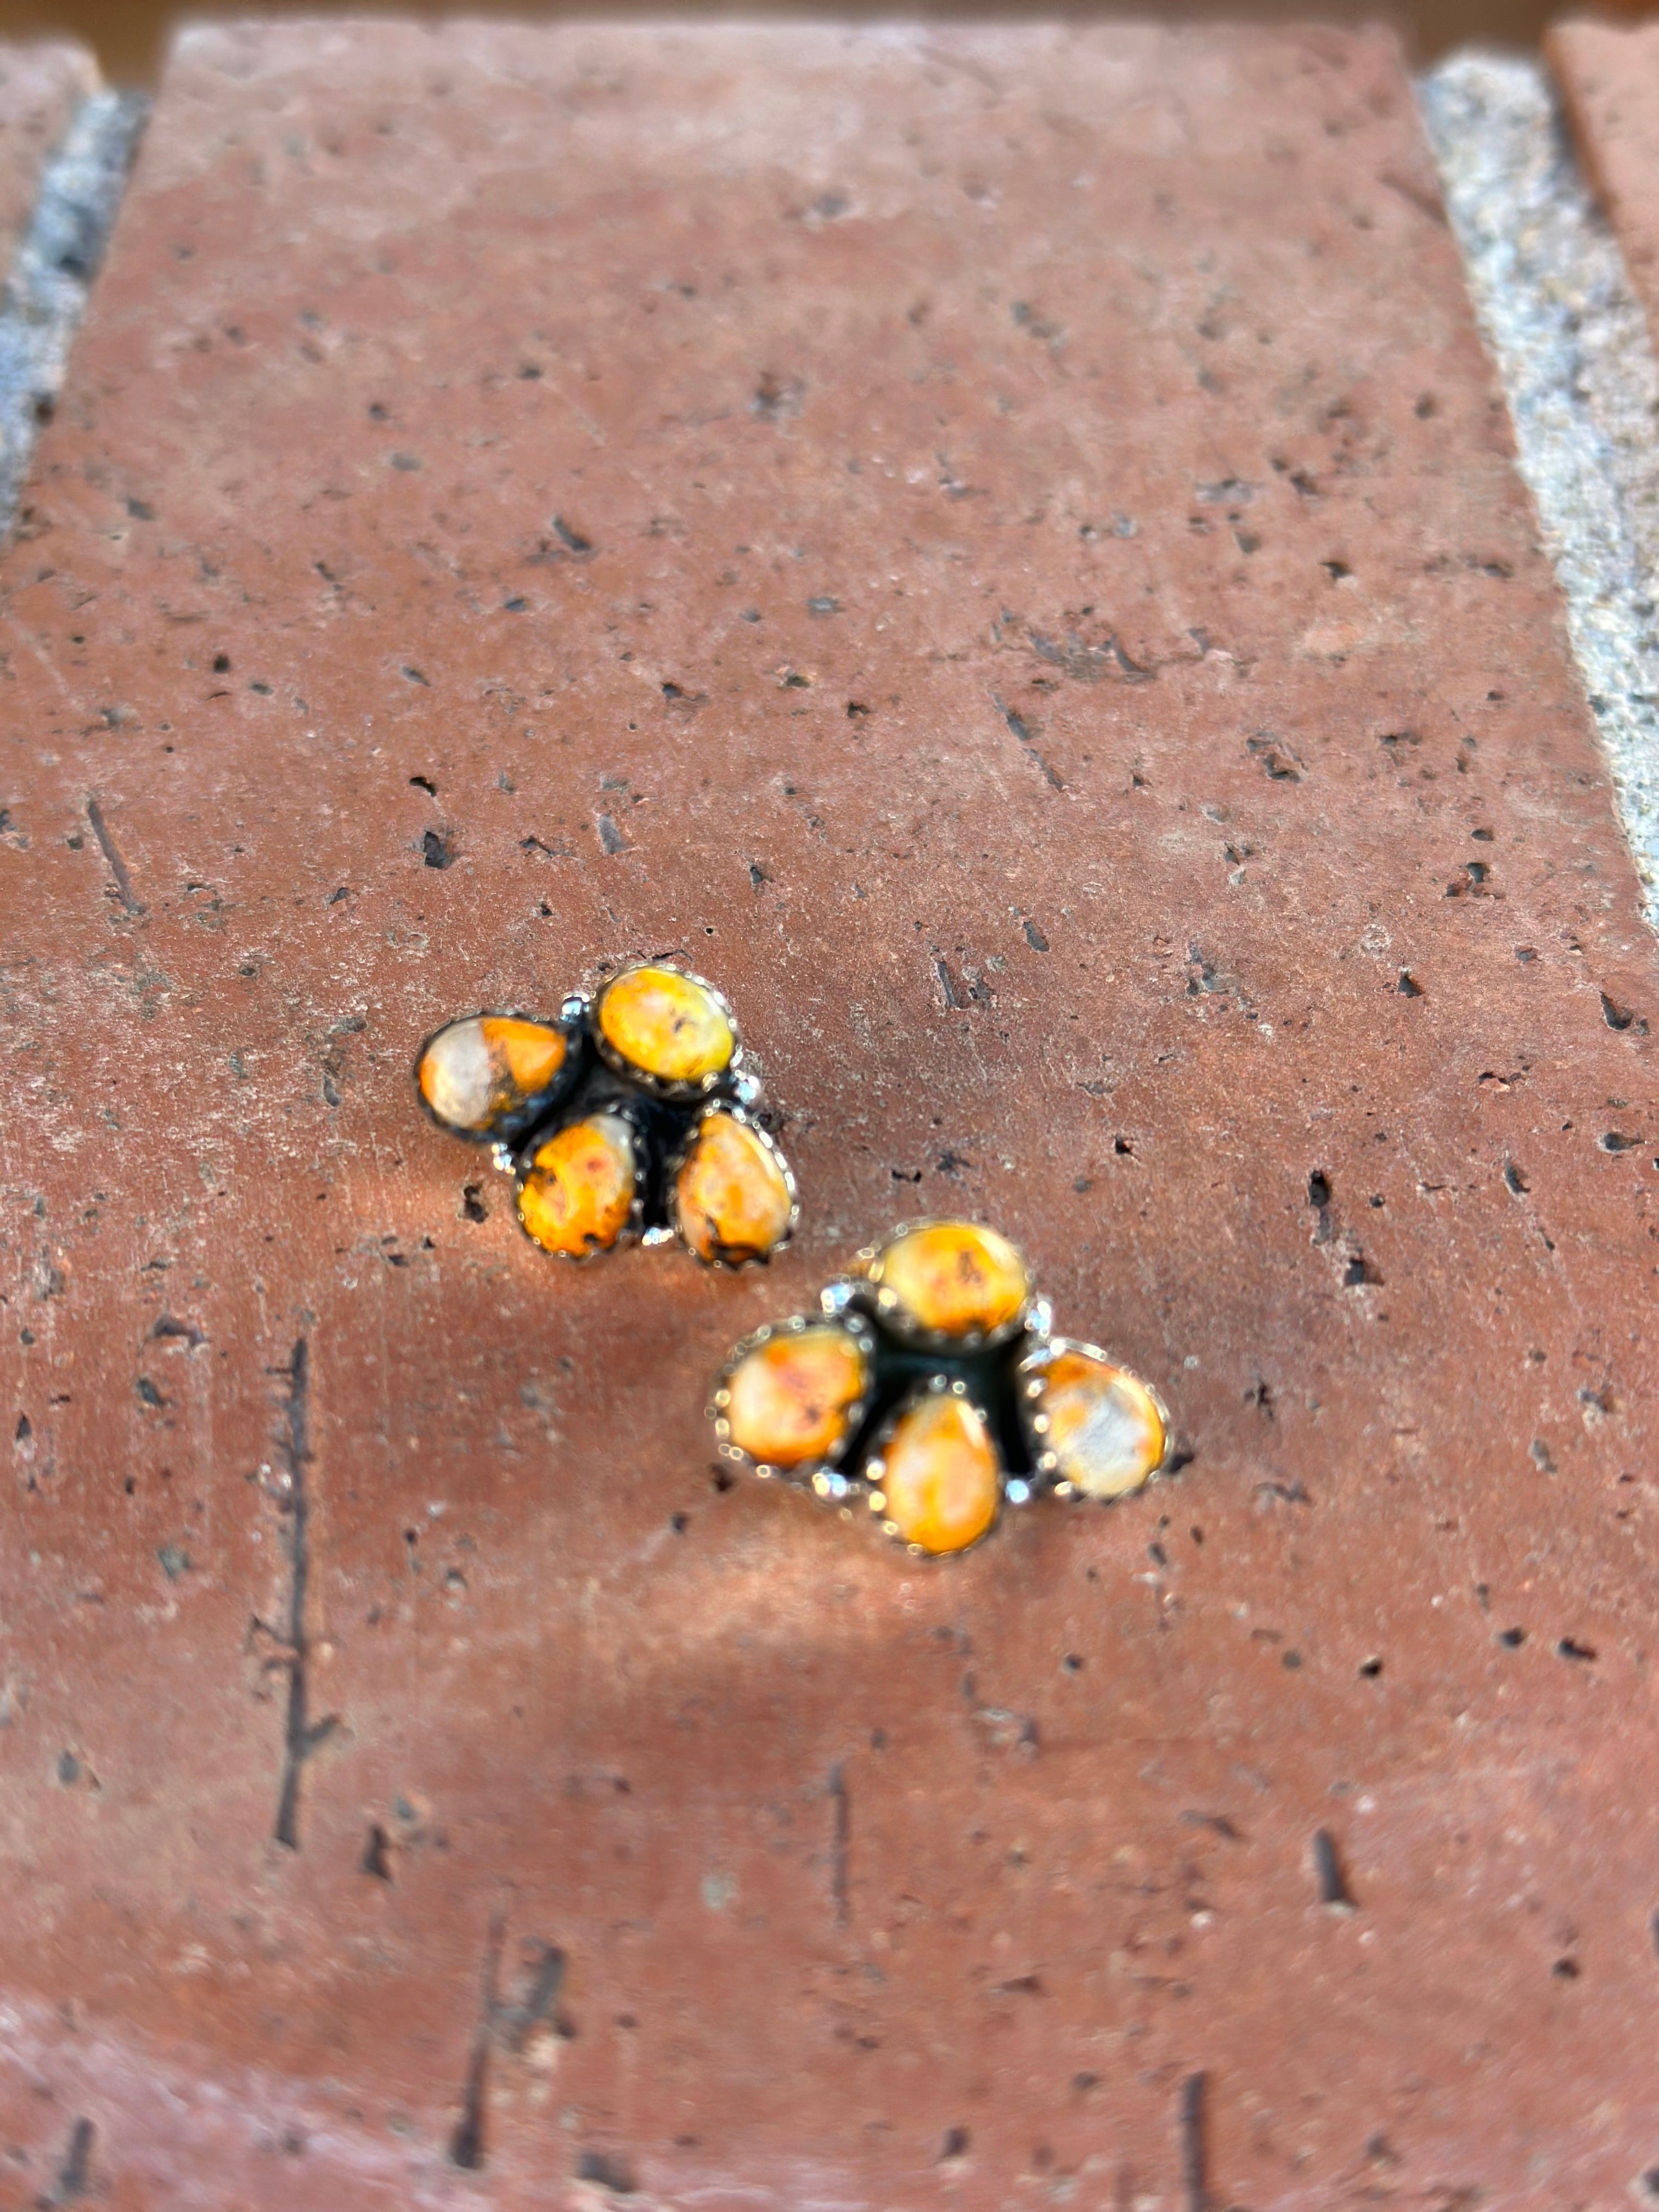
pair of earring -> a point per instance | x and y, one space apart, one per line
928 1391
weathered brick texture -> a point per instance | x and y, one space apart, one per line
40 87
1015 534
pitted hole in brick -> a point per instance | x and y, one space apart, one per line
679 1522
436 849
377 1854
1566 1970
1616 1140
411 675
1123 1148
1408 986
1617 1017
424 783
1275 758
1371 1668
1511 1638
1360 1273
607 2169
954 2143
1515 1180
570 537
472 1206
1319 1189
1569 1648
722 1479
1646 2185
1329 1873
221 664
776 396
73 2178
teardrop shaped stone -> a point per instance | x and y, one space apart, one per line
953 1278
1104 1426
732 1197
666 1024
940 1475
477 1072
578 1192
790 1400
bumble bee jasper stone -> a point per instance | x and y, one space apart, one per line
1104 1428
732 1200
667 1025
940 1476
789 1401
577 1195
478 1071
954 1278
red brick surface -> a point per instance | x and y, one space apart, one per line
1609 82
40 88
1185 674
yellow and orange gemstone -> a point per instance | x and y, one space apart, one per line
478 1071
789 1402
940 1476
667 1025
953 1278
732 1197
577 1195
1104 1428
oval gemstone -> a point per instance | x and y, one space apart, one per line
941 1477
732 1197
667 1025
1104 1428
954 1278
477 1072
577 1195
790 1400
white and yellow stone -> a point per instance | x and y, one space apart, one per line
1102 1426
477 1072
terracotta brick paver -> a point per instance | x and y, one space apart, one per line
1004 546
40 87
1611 94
